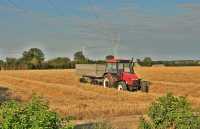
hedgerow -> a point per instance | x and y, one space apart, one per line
170 112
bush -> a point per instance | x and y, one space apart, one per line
33 115
144 124
171 112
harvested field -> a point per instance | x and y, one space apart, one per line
181 81
68 97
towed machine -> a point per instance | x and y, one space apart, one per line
117 73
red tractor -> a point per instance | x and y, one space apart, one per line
118 73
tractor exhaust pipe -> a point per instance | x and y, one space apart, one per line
131 65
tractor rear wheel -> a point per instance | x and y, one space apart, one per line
121 86
144 86
106 83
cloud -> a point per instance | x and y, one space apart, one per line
141 33
192 6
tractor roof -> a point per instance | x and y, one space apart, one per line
118 61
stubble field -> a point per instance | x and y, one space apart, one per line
68 97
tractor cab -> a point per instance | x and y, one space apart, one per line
121 72
119 66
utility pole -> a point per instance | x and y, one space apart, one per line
115 43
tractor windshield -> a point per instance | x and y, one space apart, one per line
127 68
124 67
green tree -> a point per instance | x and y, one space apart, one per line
11 61
33 115
147 61
79 57
35 61
33 57
1 63
138 61
60 62
170 112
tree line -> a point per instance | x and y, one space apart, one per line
34 58
147 61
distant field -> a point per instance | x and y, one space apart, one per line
181 81
68 97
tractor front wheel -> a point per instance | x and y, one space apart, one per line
121 86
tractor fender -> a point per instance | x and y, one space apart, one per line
112 78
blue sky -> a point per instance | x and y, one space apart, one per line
162 29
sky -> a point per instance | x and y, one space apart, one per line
161 29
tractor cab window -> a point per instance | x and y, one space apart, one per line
111 67
121 67
124 67
127 68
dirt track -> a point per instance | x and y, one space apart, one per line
120 122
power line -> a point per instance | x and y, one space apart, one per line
12 3
54 6
93 7
115 38
16 6
97 17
